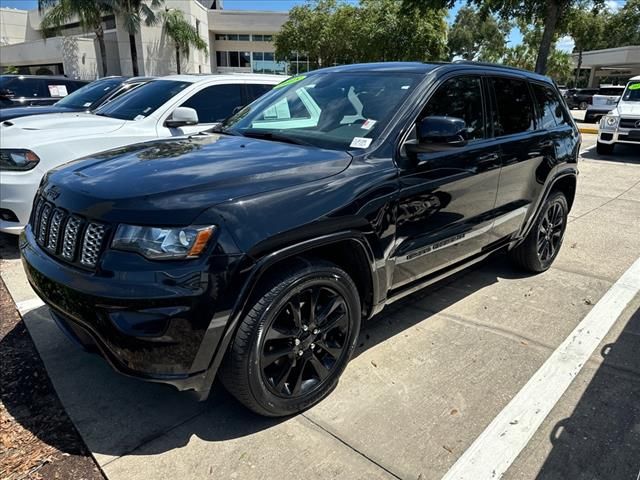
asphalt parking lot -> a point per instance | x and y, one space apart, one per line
431 380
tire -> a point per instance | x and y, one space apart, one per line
282 360
605 148
583 105
531 254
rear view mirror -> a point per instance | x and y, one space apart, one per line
438 133
182 116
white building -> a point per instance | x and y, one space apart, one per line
611 64
237 41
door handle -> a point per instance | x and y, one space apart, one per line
546 144
488 158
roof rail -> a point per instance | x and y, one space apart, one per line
489 64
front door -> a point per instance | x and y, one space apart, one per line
447 198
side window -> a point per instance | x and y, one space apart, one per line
514 106
255 90
550 109
459 97
27 87
216 103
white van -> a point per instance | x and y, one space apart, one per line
622 124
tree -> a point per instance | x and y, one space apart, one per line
478 36
330 32
58 13
183 34
552 14
588 29
623 27
133 13
524 55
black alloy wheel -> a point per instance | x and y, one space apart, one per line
305 341
550 231
295 340
541 246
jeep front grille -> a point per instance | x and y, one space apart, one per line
67 236
629 122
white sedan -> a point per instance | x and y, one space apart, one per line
164 107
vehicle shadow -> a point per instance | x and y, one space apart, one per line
601 438
622 154
116 415
9 247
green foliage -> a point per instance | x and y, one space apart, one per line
551 14
330 32
478 36
183 34
10 70
624 26
135 12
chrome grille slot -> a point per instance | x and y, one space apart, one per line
44 223
54 229
36 215
70 239
92 244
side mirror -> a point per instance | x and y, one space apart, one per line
435 134
181 117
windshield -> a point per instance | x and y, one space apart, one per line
142 101
338 111
632 93
86 96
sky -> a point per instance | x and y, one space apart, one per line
515 37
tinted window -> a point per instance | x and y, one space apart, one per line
514 106
23 87
216 103
550 109
632 93
87 95
256 91
460 97
142 101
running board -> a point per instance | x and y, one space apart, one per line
436 277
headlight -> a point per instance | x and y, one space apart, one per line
159 243
17 159
609 122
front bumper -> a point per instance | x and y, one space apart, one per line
619 135
17 191
158 321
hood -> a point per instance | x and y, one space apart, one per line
15 112
629 109
59 124
170 182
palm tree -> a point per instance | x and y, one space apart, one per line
133 13
183 34
57 13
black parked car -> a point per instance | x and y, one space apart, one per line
580 98
86 99
25 90
256 252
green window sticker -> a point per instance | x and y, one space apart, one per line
290 81
634 86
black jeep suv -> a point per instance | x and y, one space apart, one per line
254 252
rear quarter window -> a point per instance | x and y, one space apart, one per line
550 109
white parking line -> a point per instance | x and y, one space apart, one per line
498 446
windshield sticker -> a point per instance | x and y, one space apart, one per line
290 81
368 124
138 117
360 142
87 104
634 86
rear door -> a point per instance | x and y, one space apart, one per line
447 198
528 152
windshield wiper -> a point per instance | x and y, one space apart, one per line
276 137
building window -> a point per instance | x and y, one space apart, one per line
262 38
244 38
198 27
264 62
233 59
